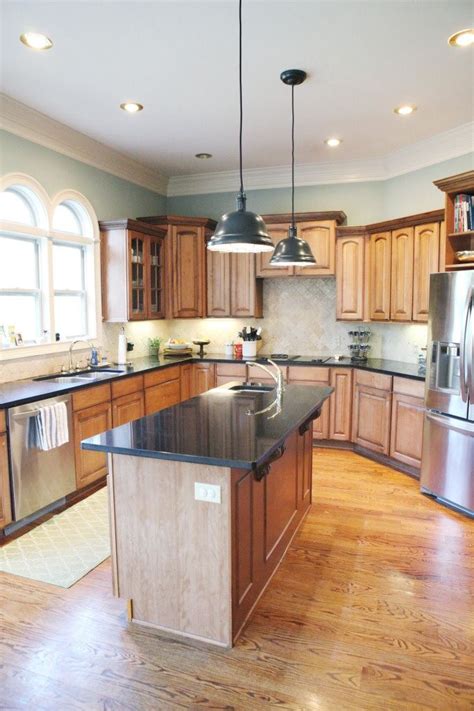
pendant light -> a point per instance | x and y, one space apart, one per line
240 231
292 251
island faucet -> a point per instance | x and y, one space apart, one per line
277 376
79 340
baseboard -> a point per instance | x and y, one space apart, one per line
369 454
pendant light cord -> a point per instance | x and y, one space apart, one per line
240 98
293 156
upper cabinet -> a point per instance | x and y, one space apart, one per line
232 286
318 229
186 263
459 235
133 271
383 270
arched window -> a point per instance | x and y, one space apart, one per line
15 207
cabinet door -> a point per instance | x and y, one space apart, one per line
350 278
218 284
426 262
161 396
90 466
341 404
186 386
127 408
188 271
321 237
138 287
314 376
277 233
379 276
245 292
371 418
407 429
401 297
5 505
203 377
155 285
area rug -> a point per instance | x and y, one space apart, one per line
65 548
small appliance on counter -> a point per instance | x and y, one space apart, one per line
360 346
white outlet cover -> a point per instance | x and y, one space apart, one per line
207 492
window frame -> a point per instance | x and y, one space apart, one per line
45 237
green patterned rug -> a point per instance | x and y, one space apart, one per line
65 548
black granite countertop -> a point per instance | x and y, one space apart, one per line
216 427
19 392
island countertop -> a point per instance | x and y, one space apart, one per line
216 427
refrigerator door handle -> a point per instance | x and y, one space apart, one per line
465 359
451 423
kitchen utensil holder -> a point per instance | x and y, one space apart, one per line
249 349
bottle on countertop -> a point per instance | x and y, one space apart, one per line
122 348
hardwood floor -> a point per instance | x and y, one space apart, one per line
371 609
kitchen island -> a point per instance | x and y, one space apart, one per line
205 498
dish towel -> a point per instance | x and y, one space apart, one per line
49 428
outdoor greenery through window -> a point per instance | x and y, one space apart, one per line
47 269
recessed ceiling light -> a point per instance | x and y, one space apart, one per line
463 38
333 142
131 107
203 156
35 40
405 109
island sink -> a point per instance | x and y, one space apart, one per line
252 388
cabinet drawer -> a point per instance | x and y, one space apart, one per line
298 373
91 396
237 369
127 386
373 380
162 375
405 386
2 421
127 408
160 396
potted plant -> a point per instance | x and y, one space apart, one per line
154 345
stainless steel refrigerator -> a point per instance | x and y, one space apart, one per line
447 469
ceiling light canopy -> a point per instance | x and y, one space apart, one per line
240 231
333 142
292 251
405 109
463 38
36 40
131 107
203 156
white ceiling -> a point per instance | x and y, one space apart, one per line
179 58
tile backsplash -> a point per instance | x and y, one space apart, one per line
299 319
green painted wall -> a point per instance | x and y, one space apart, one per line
362 202
110 196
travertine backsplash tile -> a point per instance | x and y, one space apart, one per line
300 319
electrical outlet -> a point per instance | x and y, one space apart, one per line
207 492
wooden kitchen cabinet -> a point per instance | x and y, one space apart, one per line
127 408
379 268
186 263
232 286
5 500
90 421
426 261
321 237
227 372
340 411
401 292
408 410
204 378
218 284
372 411
133 271
350 275
186 381
277 232
314 376
162 389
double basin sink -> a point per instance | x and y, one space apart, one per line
81 377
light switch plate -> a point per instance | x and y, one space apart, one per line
207 492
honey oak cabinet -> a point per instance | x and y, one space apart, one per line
133 271
127 408
186 263
408 410
379 269
372 411
401 292
227 372
186 381
340 413
277 232
427 248
162 389
204 378
321 237
5 502
350 275
314 376
232 286
90 421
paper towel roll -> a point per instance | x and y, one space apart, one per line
122 349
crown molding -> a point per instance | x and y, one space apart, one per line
23 121
436 149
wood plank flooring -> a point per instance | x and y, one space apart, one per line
371 609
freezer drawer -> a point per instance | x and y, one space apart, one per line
447 468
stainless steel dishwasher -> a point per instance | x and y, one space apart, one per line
39 477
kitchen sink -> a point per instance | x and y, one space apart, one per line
62 379
252 388
97 374
81 377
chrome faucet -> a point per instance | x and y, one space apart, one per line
277 377
79 340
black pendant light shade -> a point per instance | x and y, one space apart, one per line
292 251
240 231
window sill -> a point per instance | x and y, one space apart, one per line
40 349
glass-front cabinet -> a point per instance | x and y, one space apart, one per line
133 278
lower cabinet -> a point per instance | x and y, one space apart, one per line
407 421
372 411
187 376
5 508
204 378
127 408
310 375
226 372
88 422
162 389
340 403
